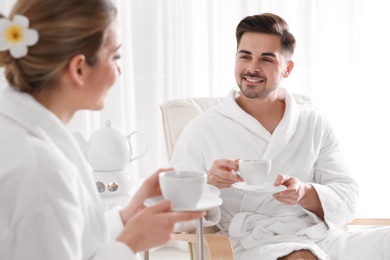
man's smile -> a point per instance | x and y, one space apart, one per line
253 80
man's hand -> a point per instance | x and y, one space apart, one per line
294 192
300 193
221 175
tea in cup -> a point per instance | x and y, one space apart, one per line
254 171
183 188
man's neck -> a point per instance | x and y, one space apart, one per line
268 110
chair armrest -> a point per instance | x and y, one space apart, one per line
186 237
371 221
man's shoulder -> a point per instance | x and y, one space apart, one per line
206 118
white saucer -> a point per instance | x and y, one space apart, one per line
265 188
208 201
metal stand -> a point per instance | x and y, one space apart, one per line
199 239
146 255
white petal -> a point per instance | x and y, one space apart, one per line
30 37
18 50
4 44
4 24
21 20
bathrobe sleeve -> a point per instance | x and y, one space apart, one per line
337 191
53 216
114 222
54 229
115 226
187 155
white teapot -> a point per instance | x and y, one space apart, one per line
108 149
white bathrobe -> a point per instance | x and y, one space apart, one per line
303 145
49 205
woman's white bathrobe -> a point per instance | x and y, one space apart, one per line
49 206
303 145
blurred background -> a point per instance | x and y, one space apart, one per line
186 48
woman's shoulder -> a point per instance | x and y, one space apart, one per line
26 155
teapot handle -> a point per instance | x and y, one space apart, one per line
146 144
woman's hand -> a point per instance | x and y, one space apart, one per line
221 175
153 226
149 188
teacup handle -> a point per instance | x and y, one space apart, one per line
146 144
237 173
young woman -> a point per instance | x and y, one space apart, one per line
60 57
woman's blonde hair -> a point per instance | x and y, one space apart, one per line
66 28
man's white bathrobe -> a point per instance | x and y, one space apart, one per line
49 205
303 145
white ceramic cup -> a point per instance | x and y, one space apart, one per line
183 188
254 171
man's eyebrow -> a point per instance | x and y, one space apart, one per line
263 54
244 51
268 54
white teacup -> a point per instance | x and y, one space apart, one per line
183 188
254 171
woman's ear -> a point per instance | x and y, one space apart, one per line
77 69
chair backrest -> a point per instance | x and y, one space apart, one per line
177 113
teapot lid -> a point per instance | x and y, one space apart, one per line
108 128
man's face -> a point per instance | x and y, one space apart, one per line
260 64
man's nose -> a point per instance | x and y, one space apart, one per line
254 67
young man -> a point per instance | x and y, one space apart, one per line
264 121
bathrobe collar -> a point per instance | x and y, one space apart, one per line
24 110
283 132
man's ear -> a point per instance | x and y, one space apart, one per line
289 68
77 69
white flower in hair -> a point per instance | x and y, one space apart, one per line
15 36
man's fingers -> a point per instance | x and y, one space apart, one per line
226 164
218 179
281 179
227 177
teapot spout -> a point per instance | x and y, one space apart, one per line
82 143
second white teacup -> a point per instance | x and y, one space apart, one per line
254 171
183 188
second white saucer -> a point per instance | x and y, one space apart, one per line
265 188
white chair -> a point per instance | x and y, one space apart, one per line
176 114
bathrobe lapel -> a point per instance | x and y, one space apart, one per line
283 132
285 129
